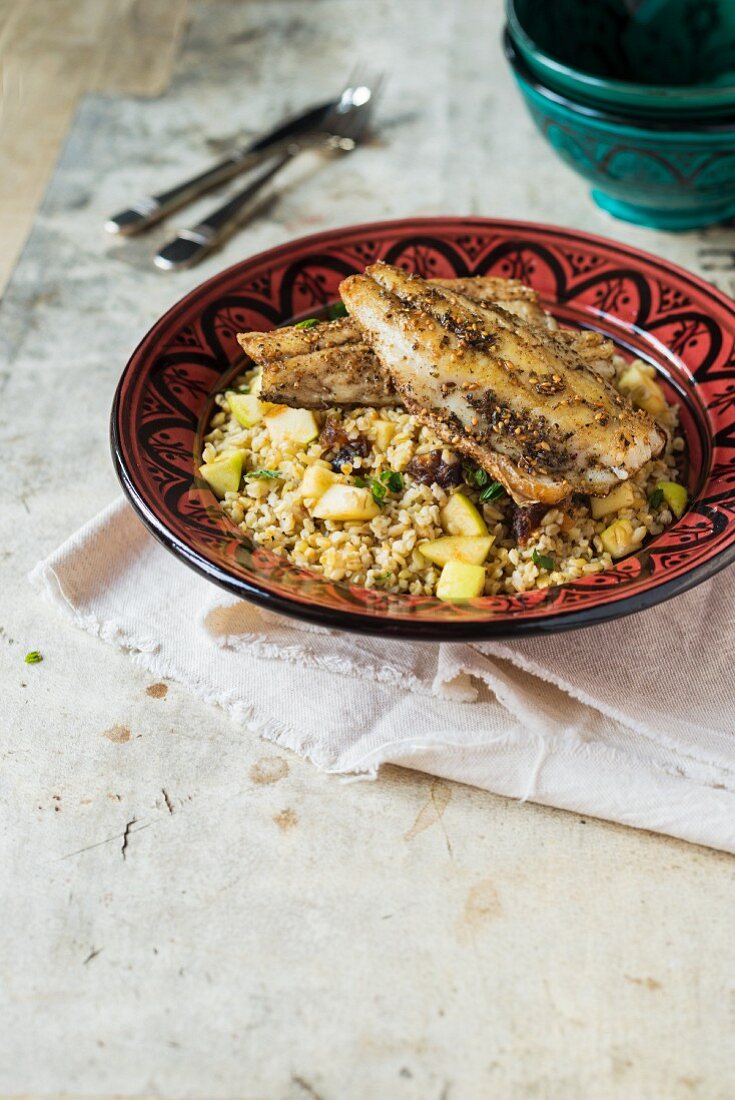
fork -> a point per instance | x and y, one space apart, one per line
340 132
144 213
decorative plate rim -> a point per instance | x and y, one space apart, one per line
555 620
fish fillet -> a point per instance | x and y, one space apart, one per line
332 364
513 396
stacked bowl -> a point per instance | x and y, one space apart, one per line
638 96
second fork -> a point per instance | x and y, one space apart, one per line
341 130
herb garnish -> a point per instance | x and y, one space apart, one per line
244 388
494 490
381 578
264 475
33 657
309 322
543 560
393 480
475 476
339 309
390 481
656 497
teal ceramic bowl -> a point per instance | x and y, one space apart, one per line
652 174
654 57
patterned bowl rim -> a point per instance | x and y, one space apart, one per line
695 129
660 96
489 626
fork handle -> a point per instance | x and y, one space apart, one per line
151 209
191 245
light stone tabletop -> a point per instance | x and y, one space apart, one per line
188 911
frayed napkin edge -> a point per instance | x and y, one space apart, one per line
414 752
145 653
456 689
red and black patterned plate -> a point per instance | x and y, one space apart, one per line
647 306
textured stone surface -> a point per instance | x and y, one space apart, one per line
188 912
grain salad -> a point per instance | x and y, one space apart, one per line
404 476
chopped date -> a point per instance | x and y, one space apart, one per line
352 449
449 474
432 469
333 434
526 519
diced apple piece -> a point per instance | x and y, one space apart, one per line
346 502
223 475
287 425
675 496
618 539
246 408
316 481
383 430
622 497
457 548
256 384
642 390
460 517
460 581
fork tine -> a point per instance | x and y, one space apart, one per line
376 86
357 77
346 112
347 118
361 77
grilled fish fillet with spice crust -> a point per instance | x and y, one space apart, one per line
349 373
332 364
512 396
314 368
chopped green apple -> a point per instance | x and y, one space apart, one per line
621 497
460 580
619 539
316 481
346 502
472 550
224 474
675 496
642 389
460 517
247 409
256 384
287 425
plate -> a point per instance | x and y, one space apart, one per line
650 308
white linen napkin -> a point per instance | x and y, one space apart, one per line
633 721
